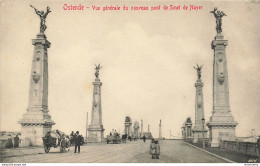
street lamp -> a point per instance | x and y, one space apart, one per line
253 134
203 141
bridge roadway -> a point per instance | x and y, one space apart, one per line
172 151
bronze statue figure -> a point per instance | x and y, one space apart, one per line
198 70
98 67
218 15
42 17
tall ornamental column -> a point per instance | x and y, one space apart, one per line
160 130
36 122
95 129
199 109
221 125
141 128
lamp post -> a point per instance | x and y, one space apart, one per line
253 134
203 141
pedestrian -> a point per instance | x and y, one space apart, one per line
72 138
258 145
157 149
82 140
67 140
16 141
78 141
152 149
9 142
113 132
144 138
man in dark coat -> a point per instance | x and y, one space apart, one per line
144 138
78 142
9 143
16 141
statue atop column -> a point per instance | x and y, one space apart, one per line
43 16
218 15
198 68
98 67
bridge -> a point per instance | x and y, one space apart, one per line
172 151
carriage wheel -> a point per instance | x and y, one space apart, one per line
46 149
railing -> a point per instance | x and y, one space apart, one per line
248 148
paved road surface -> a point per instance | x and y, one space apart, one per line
172 151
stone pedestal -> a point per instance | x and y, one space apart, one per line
96 134
221 124
199 113
36 121
96 130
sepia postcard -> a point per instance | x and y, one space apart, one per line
129 81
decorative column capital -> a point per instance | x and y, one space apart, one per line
199 83
41 40
219 44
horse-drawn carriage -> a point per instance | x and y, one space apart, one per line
115 139
55 139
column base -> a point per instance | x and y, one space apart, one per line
32 134
220 131
95 134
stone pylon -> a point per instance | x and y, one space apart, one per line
160 130
36 122
95 129
136 132
87 127
199 127
128 126
188 128
221 124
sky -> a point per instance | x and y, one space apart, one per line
147 60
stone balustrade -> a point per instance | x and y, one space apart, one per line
247 148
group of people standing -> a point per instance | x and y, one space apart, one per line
12 142
76 139
114 133
155 149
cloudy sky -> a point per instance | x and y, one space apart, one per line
147 60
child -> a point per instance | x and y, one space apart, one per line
152 149
157 149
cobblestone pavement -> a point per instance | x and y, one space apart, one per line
172 151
